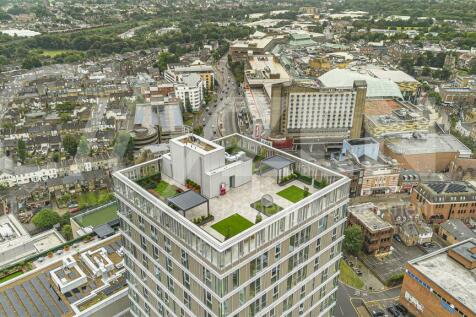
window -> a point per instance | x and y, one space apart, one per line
155 252
170 284
167 245
184 259
258 263
275 274
169 265
322 225
207 277
143 243
157 272
299 238
334 234
153 233
186 279
236 278
277 251
275 293
318 245
208 299
316 263
255 287
186 299
303 291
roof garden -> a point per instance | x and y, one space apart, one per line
275 181
65 287
98 216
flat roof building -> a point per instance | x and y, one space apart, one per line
84 282
377 232
442 283
261 233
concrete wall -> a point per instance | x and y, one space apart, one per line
242 172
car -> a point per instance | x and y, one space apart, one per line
397 238
377 313
402 309
393 311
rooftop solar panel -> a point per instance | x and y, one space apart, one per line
35 300
46 298
6 306
26 301
14 301
53 294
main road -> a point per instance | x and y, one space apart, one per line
220 117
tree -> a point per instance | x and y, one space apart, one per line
354 239
67 232
70 144
46 219
166 58
31 62
83 147
21 150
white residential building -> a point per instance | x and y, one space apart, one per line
189 89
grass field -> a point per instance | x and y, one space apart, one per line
232 225
293 193
348 276
54 53
9 277
99 217
93 198
165 190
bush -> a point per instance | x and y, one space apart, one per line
396 279
46 219
259 218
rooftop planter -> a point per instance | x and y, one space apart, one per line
203 220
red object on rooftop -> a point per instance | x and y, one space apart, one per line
222 189
286 143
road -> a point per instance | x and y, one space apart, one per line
349 298
220 119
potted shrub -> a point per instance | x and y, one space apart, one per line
66 247
50 254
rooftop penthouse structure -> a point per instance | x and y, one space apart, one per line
225 228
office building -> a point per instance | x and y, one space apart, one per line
441 200
377 232
226 238
442 283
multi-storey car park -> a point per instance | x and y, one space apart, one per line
259 234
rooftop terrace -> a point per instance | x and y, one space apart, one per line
268 183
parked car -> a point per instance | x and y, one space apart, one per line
401 308
393 311
377 313
397 238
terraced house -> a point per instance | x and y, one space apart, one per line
231 227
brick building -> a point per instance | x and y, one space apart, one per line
441 200
442 283
377 233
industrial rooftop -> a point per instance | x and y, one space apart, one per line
457 280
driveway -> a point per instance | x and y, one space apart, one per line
393 264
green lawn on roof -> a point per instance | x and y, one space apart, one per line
232 225
165 190
99 217
293 193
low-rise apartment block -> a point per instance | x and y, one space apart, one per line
377 232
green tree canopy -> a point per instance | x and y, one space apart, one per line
21 150
67 232
83 147
70 144
354 239
46 219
